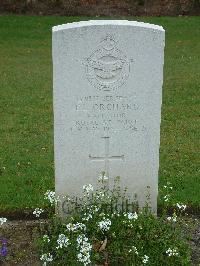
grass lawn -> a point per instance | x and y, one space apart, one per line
26 120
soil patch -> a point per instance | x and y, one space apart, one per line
21 236
102 8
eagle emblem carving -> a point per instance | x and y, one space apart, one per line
107 68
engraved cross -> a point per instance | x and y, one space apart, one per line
107 157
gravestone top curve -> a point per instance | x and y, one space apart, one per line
106 23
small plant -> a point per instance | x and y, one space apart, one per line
3 242
104 227
3 247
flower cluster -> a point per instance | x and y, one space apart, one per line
166 198
84 249
87 216
173 218
100 195
37 212
87 189
131 216
172 252
62 241
133 249
89 212
145 259
181 207
75 227
46 238
102 177
167 192
46 258
101 222
3 220
168 186
94 209
105 224
51 197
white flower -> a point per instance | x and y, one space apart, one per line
102 177
87 217
105 224
84 258
169 218
37 212
46 238
166 198
131 216
181 206
145 259
81 239
100 195
168 187
173 218
46 258
62 241
134 249
3 220
75 227
51 196
84 248
94 209
115 214
88 188
172 252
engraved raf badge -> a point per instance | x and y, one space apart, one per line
107 68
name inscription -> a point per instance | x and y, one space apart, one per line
106 113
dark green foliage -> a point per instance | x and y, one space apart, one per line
116 237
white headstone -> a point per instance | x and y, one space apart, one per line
107 79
